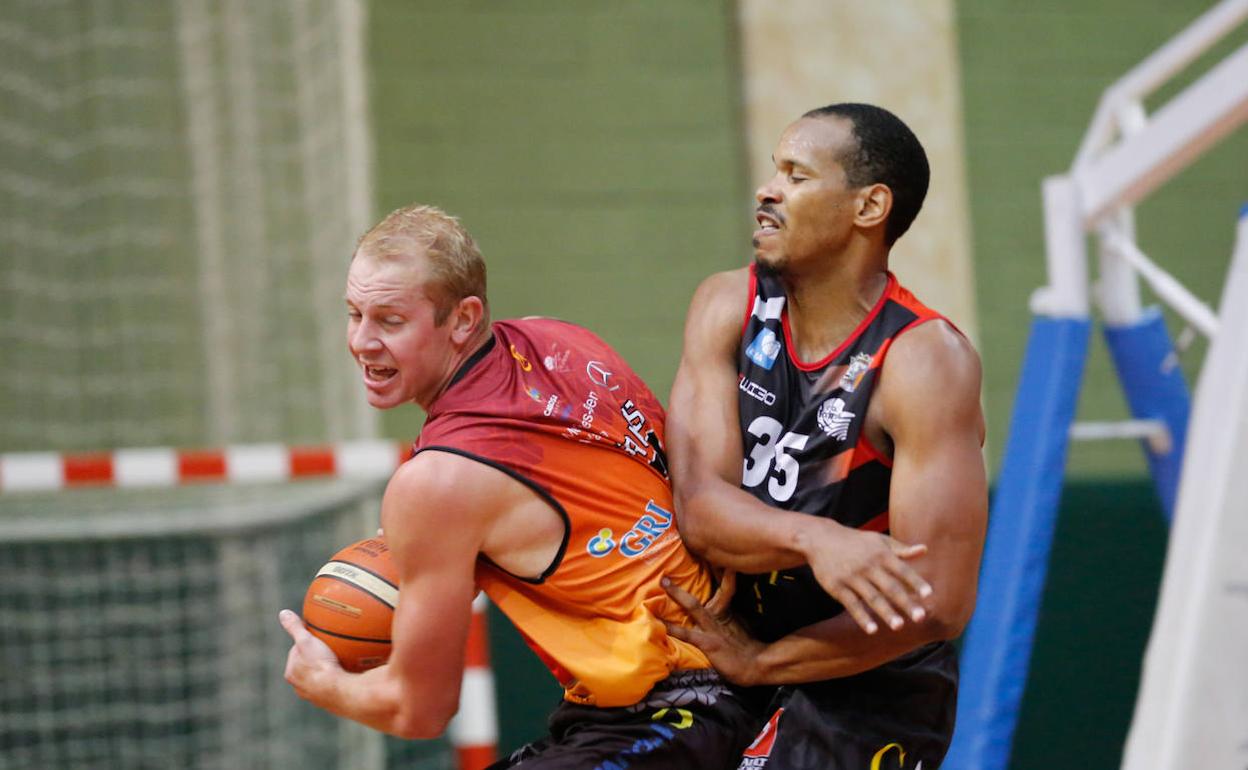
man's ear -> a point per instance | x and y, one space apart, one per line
466 319
875 202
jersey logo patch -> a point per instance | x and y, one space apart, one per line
858 366
758 752
769 309
645 532
764 349
834 420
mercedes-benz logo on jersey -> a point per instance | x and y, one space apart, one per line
833 418
764 349
599 375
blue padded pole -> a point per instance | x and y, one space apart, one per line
997 650
1155 389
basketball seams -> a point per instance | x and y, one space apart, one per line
390 599
337 635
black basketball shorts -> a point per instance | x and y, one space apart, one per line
897 717
690 720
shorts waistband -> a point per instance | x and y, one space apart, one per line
702 686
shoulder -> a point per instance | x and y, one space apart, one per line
727 287
934 348
719 303
932 374
437 483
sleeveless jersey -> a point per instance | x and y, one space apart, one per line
805 448
553 406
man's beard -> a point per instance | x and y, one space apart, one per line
775 264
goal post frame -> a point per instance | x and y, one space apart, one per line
1094 196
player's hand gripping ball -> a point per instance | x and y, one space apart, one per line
350 604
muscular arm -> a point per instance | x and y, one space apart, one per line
929 399
416 692
717 519
729 527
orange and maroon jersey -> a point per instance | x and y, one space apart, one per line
553 406
805 448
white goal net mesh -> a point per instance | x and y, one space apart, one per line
143 633
181 184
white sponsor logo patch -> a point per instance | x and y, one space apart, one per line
834 420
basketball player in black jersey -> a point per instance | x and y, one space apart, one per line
821 420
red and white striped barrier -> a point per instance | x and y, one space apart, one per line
167 467
474 730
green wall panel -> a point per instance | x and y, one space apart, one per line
591 148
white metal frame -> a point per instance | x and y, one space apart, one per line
1124 156
1108 177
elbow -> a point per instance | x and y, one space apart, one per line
423 718
947 622
419 725
690 524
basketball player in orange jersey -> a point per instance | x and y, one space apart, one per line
540 478
818 406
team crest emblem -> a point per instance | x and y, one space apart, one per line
764 349
834 420
858 366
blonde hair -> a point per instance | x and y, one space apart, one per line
456 269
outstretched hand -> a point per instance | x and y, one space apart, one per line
868 574
726 644
308 659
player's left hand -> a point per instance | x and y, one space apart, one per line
726 644
309 659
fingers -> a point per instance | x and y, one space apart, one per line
912 579
702 620
687 601
898 595
292 624
905 550
877 602
856 609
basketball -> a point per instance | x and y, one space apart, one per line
351 601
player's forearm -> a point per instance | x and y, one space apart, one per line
377 698
837 648
729 528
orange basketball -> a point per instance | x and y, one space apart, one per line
350 604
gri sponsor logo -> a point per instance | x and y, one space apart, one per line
644 533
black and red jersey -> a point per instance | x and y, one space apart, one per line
803 438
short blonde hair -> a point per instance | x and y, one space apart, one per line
456 269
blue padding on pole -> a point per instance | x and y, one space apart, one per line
1155 389
997 651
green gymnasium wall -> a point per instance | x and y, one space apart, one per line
595 151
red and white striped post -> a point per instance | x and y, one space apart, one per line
474 730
